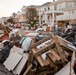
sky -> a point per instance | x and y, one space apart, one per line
7 7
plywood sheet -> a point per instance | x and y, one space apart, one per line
21 65
65 70
12 60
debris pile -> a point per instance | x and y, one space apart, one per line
50 55
38 54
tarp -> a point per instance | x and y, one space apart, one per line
26 43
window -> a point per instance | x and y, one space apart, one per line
74 3
48 17
72 11
55 7
48 8
44 9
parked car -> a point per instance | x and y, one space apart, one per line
27 26
17 26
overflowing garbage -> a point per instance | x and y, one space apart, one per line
39 53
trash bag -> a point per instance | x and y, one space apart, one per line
4 53
39 37
26 44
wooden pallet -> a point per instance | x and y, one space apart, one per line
51 55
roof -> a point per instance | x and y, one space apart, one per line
33 6
47 3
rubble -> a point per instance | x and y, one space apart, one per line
44 54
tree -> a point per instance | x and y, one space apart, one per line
11 20
31 14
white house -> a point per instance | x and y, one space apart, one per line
48 13
21 15
69 16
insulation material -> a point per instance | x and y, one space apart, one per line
21 65
12 61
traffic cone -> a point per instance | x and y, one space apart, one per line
26 31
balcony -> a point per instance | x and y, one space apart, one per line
66 17
51 11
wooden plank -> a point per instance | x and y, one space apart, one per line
66 53
59 49
51 56
64 43
56 55
12 61
30 60
39 58
27 70
44 49
52 65
21 65
39 42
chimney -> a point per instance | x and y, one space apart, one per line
53 0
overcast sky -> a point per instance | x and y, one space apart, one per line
7 7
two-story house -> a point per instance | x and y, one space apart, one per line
48 13
69 16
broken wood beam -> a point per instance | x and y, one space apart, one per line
39 42
39 58
55 54
28 69
44 49
59 49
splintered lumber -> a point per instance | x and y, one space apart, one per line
68 46
44 49
51 56
39 42
28 69
59 49
52 65
63 41
55 54
30 60
39 58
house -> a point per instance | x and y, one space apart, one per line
48 13
69 15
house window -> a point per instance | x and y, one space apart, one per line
48 8
55 7
48 17
73 12
74 3
44 9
